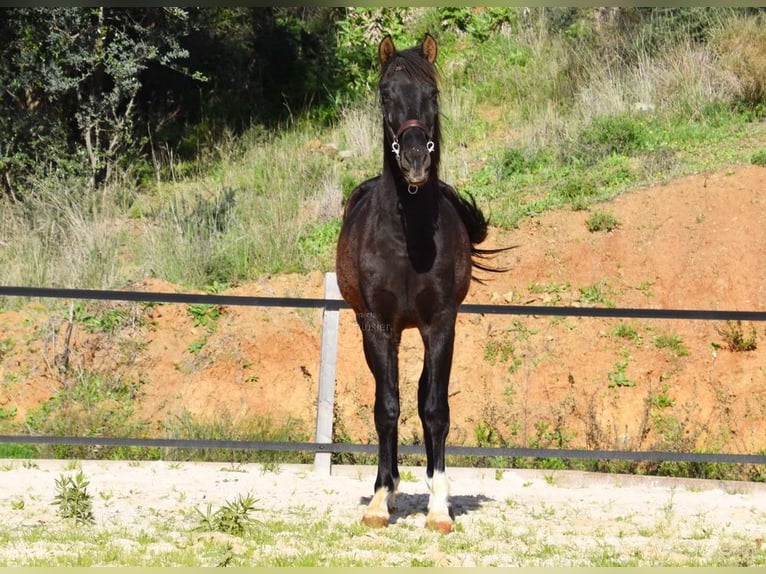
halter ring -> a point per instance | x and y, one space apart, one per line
395 148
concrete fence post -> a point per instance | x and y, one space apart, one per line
327 366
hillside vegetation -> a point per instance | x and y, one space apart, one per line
212 149
543 108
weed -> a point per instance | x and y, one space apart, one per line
8 413
672 342
759 158
597 293
502 351
101 319
408 476
552 290
195 347
610 135
232 518
646 288
90 404
485 434
73 498
618 378
6 346
601 221
662 400
625 331
735 338
205 315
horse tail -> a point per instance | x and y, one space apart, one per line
476 225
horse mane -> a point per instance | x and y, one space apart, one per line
412 62
418 68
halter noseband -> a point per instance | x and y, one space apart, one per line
430 145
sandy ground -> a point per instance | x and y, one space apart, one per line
503 517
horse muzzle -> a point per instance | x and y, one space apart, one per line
413 154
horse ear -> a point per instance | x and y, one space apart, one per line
428 48
386 50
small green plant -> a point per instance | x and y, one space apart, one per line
408 476
601 221
646 288
552 291
6 346
735 338
618 378
672 342
204 315
485 435
195 347
8 413
625 331
73 499
98 318
596 294
662 400
232 518
502 351
759 158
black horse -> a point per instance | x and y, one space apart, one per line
405 256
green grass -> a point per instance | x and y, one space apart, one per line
672 342
601 221
224 426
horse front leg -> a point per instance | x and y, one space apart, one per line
381 352
433 408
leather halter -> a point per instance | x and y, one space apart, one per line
430 145
412 124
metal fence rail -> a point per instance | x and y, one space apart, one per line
329 448
331 305
334 304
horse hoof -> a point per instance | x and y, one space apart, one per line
375 521
442 525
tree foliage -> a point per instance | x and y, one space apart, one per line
88 91
72 77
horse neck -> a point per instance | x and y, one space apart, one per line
416 214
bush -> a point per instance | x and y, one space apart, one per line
759 158
601 221
741 47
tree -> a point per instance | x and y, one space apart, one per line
72 77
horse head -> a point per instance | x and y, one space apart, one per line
409 98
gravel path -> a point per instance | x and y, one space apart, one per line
147 514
